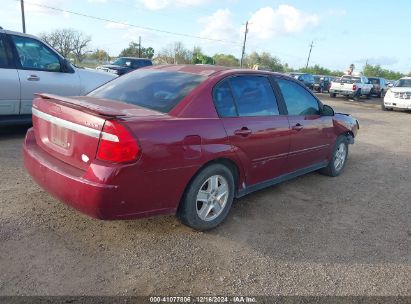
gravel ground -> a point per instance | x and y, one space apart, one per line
314 235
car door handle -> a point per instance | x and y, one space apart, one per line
33 78
244 131
298 127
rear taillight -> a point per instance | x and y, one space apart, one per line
116 144
354 87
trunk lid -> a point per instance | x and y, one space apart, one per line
70 128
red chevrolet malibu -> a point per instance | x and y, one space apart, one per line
181 139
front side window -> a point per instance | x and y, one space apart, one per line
3 54
254 96
34 55
153 89
297 99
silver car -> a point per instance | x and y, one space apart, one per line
28 65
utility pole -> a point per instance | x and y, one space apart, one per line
23 19
139 46
245 40
309 54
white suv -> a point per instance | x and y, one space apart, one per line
28 66
399 96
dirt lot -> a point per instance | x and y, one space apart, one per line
315 235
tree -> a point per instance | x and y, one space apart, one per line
134 50
68 42
316 70
199 58
264 61
175 53
100 55
226 60
350 69
376 71
80 43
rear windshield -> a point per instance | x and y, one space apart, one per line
403 83
153 89
350 79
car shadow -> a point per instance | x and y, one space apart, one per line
9 132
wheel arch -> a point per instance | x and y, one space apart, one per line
226 161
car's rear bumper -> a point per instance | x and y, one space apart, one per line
342 92
94 192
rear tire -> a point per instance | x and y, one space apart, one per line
368 96
333 95
208 198
357 96
338 159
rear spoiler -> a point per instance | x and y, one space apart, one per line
81 102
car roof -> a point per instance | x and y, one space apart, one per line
208 69
20 34
136 58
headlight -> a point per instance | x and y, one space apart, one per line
389 93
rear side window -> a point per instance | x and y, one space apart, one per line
297 99
223 100
153 89
254 96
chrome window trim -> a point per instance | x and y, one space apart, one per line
74 127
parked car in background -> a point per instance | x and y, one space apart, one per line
399 96
28 65
391 83
305 78
322 83
351 86
124 65
182 139
380 86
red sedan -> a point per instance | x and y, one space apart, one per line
182 140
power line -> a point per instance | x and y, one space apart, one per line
128 24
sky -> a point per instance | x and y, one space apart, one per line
343 32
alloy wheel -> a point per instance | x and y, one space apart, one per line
212 198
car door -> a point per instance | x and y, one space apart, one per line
312 135
251 117
9 81
40 70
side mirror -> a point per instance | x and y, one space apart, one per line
327 111
66 66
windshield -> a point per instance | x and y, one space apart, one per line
350 79
374 80
403 83
123 62
153 89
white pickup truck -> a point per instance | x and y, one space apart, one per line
351 86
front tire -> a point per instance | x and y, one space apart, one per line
208 198
338 159
333 95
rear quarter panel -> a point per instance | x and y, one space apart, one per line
173 151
